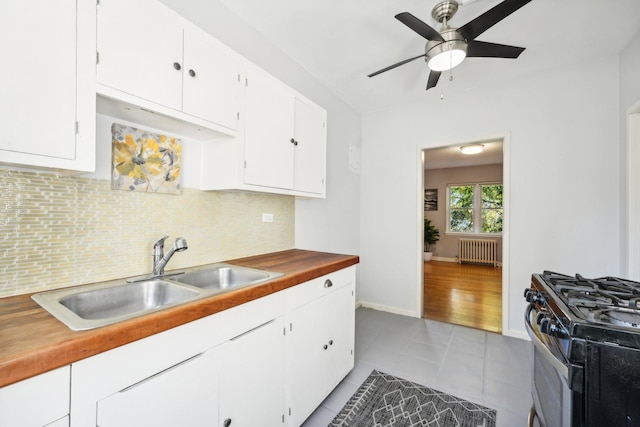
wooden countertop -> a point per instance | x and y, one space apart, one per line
32 341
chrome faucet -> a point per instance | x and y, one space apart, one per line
160 260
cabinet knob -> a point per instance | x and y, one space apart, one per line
330 342
325 346
227 422
295 142
328 283
177 66
192 73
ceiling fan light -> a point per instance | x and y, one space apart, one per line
446 60
446 55
472 149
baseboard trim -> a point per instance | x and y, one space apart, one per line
455 259
386 308
445 259
513 333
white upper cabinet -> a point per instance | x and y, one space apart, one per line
285 137
211 80
150 57
282 148
140 50
48 90
269 115
310 148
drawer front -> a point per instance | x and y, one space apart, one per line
316 288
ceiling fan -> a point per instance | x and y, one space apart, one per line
448 47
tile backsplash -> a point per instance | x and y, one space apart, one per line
63 231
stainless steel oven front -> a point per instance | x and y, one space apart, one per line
552 398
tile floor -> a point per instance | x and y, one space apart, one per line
483 367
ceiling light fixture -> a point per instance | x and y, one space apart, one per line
448 51
443 56
448 47
472 149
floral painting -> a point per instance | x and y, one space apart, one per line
145 161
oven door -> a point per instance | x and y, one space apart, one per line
550 390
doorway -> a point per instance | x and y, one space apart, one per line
463 200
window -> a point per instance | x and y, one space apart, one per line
475 208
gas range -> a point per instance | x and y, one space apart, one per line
586 350
605 309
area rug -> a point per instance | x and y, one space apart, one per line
387 401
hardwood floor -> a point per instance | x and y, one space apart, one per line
463 294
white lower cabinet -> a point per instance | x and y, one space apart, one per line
320 341
62 422
269 362
251 373
183 395
39 401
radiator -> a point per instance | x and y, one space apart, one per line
480 251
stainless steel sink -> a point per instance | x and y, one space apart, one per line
225 277
91 306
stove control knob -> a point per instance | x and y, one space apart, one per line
549 326
541 315
533 296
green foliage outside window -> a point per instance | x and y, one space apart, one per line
464 205
461 208
492 210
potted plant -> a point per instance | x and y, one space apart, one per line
431 236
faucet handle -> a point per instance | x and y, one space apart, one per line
160 243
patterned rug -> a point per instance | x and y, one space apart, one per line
387 401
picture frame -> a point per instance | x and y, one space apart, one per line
431 199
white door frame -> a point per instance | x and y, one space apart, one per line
632 259
506 178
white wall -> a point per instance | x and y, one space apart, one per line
629 96
326 225
629 74
563 127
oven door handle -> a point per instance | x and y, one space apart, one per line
538 342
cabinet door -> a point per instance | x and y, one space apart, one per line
310 148
183 395
38 75
341 333
268 131
62 422
36 401
252 378
140 50
210 80
306 338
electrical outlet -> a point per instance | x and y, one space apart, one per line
267 217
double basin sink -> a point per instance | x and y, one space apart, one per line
92 306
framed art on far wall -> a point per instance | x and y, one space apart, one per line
431 199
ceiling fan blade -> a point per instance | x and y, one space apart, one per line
390 67
482 23
480 49
418 26
434 76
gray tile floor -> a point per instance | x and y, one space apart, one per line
483 367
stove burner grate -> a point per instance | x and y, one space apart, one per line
616 316
608 300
